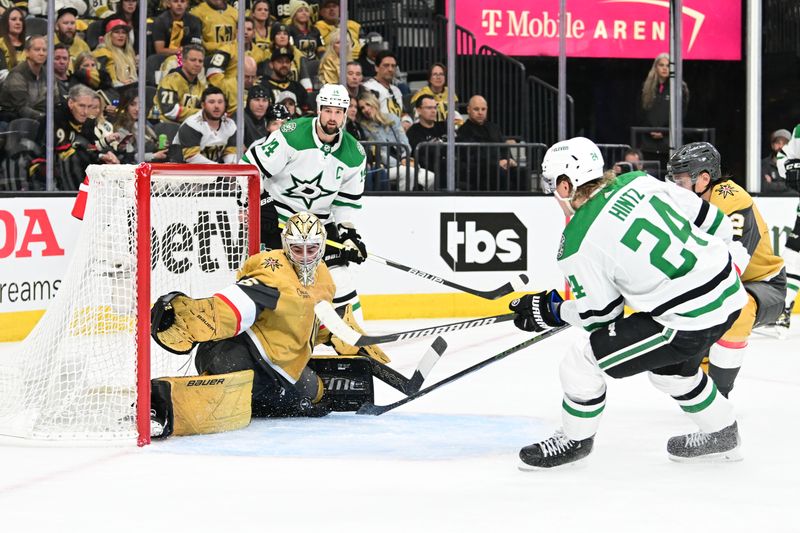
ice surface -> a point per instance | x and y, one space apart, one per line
447 462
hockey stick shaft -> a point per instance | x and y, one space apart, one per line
328 316
371 409
407 386
504 290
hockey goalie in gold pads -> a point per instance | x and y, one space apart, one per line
696 166
262 330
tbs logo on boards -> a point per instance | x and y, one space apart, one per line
476 242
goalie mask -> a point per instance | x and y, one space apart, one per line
303 240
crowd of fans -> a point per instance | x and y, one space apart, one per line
292 48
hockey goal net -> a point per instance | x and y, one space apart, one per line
83 374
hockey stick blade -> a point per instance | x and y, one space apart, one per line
372 409
328 316
407 386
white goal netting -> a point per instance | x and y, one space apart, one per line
74 378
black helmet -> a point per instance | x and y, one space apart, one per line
278 112
694 158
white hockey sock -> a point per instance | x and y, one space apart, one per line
345 291
584 392
698 397
792 262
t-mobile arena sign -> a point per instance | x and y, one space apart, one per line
604 28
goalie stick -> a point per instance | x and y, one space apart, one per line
328 316
372 409
411 385
504 290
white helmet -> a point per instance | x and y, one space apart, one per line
578 159
303 240
332 94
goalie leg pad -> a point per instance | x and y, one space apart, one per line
198 405
347 379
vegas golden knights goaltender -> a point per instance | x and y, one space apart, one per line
254 341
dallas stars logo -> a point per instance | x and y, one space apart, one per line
272 263
308 191
725 190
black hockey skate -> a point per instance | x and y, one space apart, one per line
785 318
556 451
722 445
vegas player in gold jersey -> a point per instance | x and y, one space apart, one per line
264 323
696 166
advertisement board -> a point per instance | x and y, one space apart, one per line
480 242
604 28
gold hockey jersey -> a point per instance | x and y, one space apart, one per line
749 228
219 27
353 29
177 98
276 311
222 69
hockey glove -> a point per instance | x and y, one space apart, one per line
351 240
537 312
178 322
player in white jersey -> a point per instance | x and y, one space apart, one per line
662 251
312 164
789 169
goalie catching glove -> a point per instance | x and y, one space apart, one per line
538 312
353 251
178 322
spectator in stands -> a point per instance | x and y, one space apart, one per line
126 124
103 9
12 40
771 181
655 109
175 28
263 21
179 92
281 63
353 126
251 76
76 143
86 72
128 10
66 33
287 100
260 55
354 79
255 114
437 88
24 93
329 22
428 129
305 35
299 69
209 136
107 139
223 67
389 95
329 66
631 160
39 7
373 44
220 22
395 156
115 54
485 167
61 66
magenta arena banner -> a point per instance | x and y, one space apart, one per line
604 28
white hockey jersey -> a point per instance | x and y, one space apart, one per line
654 247
202 144
301 173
